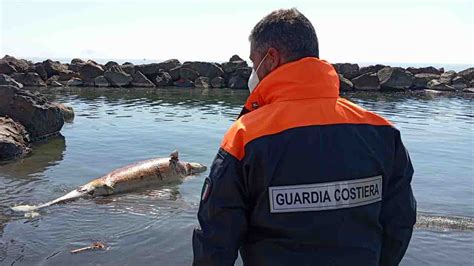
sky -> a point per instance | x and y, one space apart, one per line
409 31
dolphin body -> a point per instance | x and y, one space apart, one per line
151 172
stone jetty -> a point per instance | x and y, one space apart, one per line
233 74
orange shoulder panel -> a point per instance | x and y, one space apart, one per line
280 116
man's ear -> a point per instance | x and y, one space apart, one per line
274 59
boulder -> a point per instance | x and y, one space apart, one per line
163 79
39 68
218 82
439 86
235 58
53 67
7 80
89 71
244 72
151 70
370 69
184 83
471 83
232 66
40 117
54 82
188 73
345 84
110 64
67 75
237 82
29 79
101 81
347 70
202 82
11 63
447 77
467 74
459 83
77 61
205 69
128 68
427 70
395 78
75 82
368 81
140 80
468 90
67 112
117 77
421 80
13 139
175 73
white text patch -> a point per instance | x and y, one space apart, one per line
325 196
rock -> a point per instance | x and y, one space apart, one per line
101 81
40 117
447 77
471 83
237 82
77 61
368 81
11 63
55 83
395 78
202 82
427 70
151 70
459 83
39 68
467 74
205 69
67 75
29 79
13 139
163 79
54 80
468 90
244 72
140 80
67 112
175 73
117 77
230 67
218 82
128 68
421 80
184 83
188 73
370 69
347 70
53 67
7 80
235 58
127 63
89 71
439 86
75 82
110 64
345 84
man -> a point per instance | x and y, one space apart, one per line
304 177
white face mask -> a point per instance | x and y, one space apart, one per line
254 80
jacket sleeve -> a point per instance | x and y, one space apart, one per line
222 214
398 215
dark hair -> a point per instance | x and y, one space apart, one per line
288 31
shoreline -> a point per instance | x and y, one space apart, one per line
232 74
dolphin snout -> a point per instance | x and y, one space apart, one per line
197 168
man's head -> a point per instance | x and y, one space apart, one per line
283 36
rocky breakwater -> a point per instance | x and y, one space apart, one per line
233 74
27 116
387 78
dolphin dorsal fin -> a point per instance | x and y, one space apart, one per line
174 155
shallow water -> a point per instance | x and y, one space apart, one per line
115 127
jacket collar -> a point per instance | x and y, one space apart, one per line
307 78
